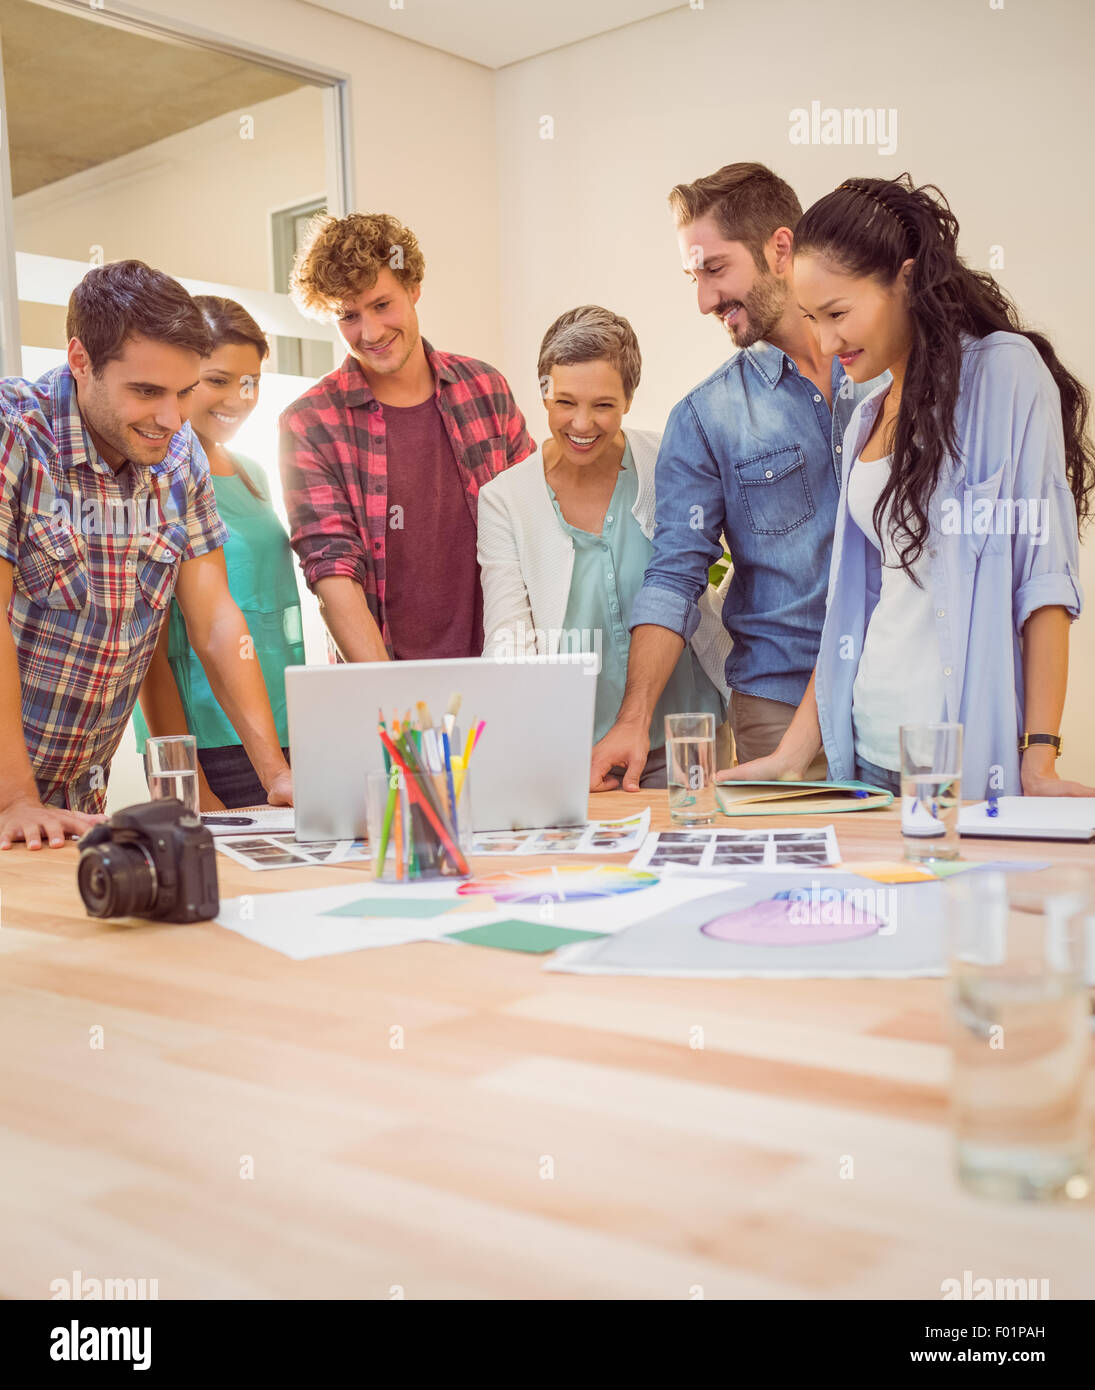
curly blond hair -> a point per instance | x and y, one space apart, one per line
341 256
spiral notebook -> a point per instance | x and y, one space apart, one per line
799 798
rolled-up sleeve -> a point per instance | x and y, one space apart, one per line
12 462
688 522
322 528
1045 551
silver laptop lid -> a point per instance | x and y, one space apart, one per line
530 768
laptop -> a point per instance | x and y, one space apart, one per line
529 769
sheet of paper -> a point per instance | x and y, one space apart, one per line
284 852
595 837
801 925
310 923
720 852
590 897
512 934
353 917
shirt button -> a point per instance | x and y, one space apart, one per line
839 449
608 517
946 670
131 564
611 575
817 398
940 612
768 473
60 554
376 545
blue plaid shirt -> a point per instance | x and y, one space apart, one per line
96 555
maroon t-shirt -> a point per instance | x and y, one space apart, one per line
433 597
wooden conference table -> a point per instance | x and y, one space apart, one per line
537 1136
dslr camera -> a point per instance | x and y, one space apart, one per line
155 860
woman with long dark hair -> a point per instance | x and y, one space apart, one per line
176 696
965 478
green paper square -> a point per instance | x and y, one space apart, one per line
515 935
392 907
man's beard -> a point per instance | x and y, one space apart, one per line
763 305
113 432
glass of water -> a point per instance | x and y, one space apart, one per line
690 768
931 790
1019 1024
171 769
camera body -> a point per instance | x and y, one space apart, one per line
154 860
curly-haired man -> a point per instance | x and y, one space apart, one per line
382 460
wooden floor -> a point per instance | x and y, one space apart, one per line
537 1135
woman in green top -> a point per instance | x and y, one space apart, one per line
176 696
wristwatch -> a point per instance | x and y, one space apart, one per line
1028 739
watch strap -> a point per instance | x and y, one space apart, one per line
1028 740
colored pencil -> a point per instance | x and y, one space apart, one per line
416 790
448 778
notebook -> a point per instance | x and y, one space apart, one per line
1031 818
799 798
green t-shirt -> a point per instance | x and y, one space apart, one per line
259 560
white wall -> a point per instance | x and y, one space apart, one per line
422 131
993 105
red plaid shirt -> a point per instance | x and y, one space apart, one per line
334 463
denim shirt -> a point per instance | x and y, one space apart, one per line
752 453
1002 543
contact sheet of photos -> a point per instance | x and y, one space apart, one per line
719 851
595 837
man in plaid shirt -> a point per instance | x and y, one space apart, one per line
106 509
382 460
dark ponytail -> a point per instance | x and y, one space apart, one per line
871 227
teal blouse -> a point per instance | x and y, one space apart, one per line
607 576
259 560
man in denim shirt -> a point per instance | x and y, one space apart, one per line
752 454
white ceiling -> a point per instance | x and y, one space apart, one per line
497 32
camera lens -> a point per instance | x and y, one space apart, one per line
116 881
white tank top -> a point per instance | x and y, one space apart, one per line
899 679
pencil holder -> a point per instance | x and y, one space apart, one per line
413 833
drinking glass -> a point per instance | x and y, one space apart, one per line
1019 1025
399 825
171 769
931 790
690 768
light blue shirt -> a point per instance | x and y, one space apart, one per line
1003 542
753 452
608 573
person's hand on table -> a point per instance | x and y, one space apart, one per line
26 818
1039 776
280 790
776 767
626 746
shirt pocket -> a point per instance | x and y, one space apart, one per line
158 564
980 533
485 459
51 569
775 491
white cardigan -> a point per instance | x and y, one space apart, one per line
527 560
